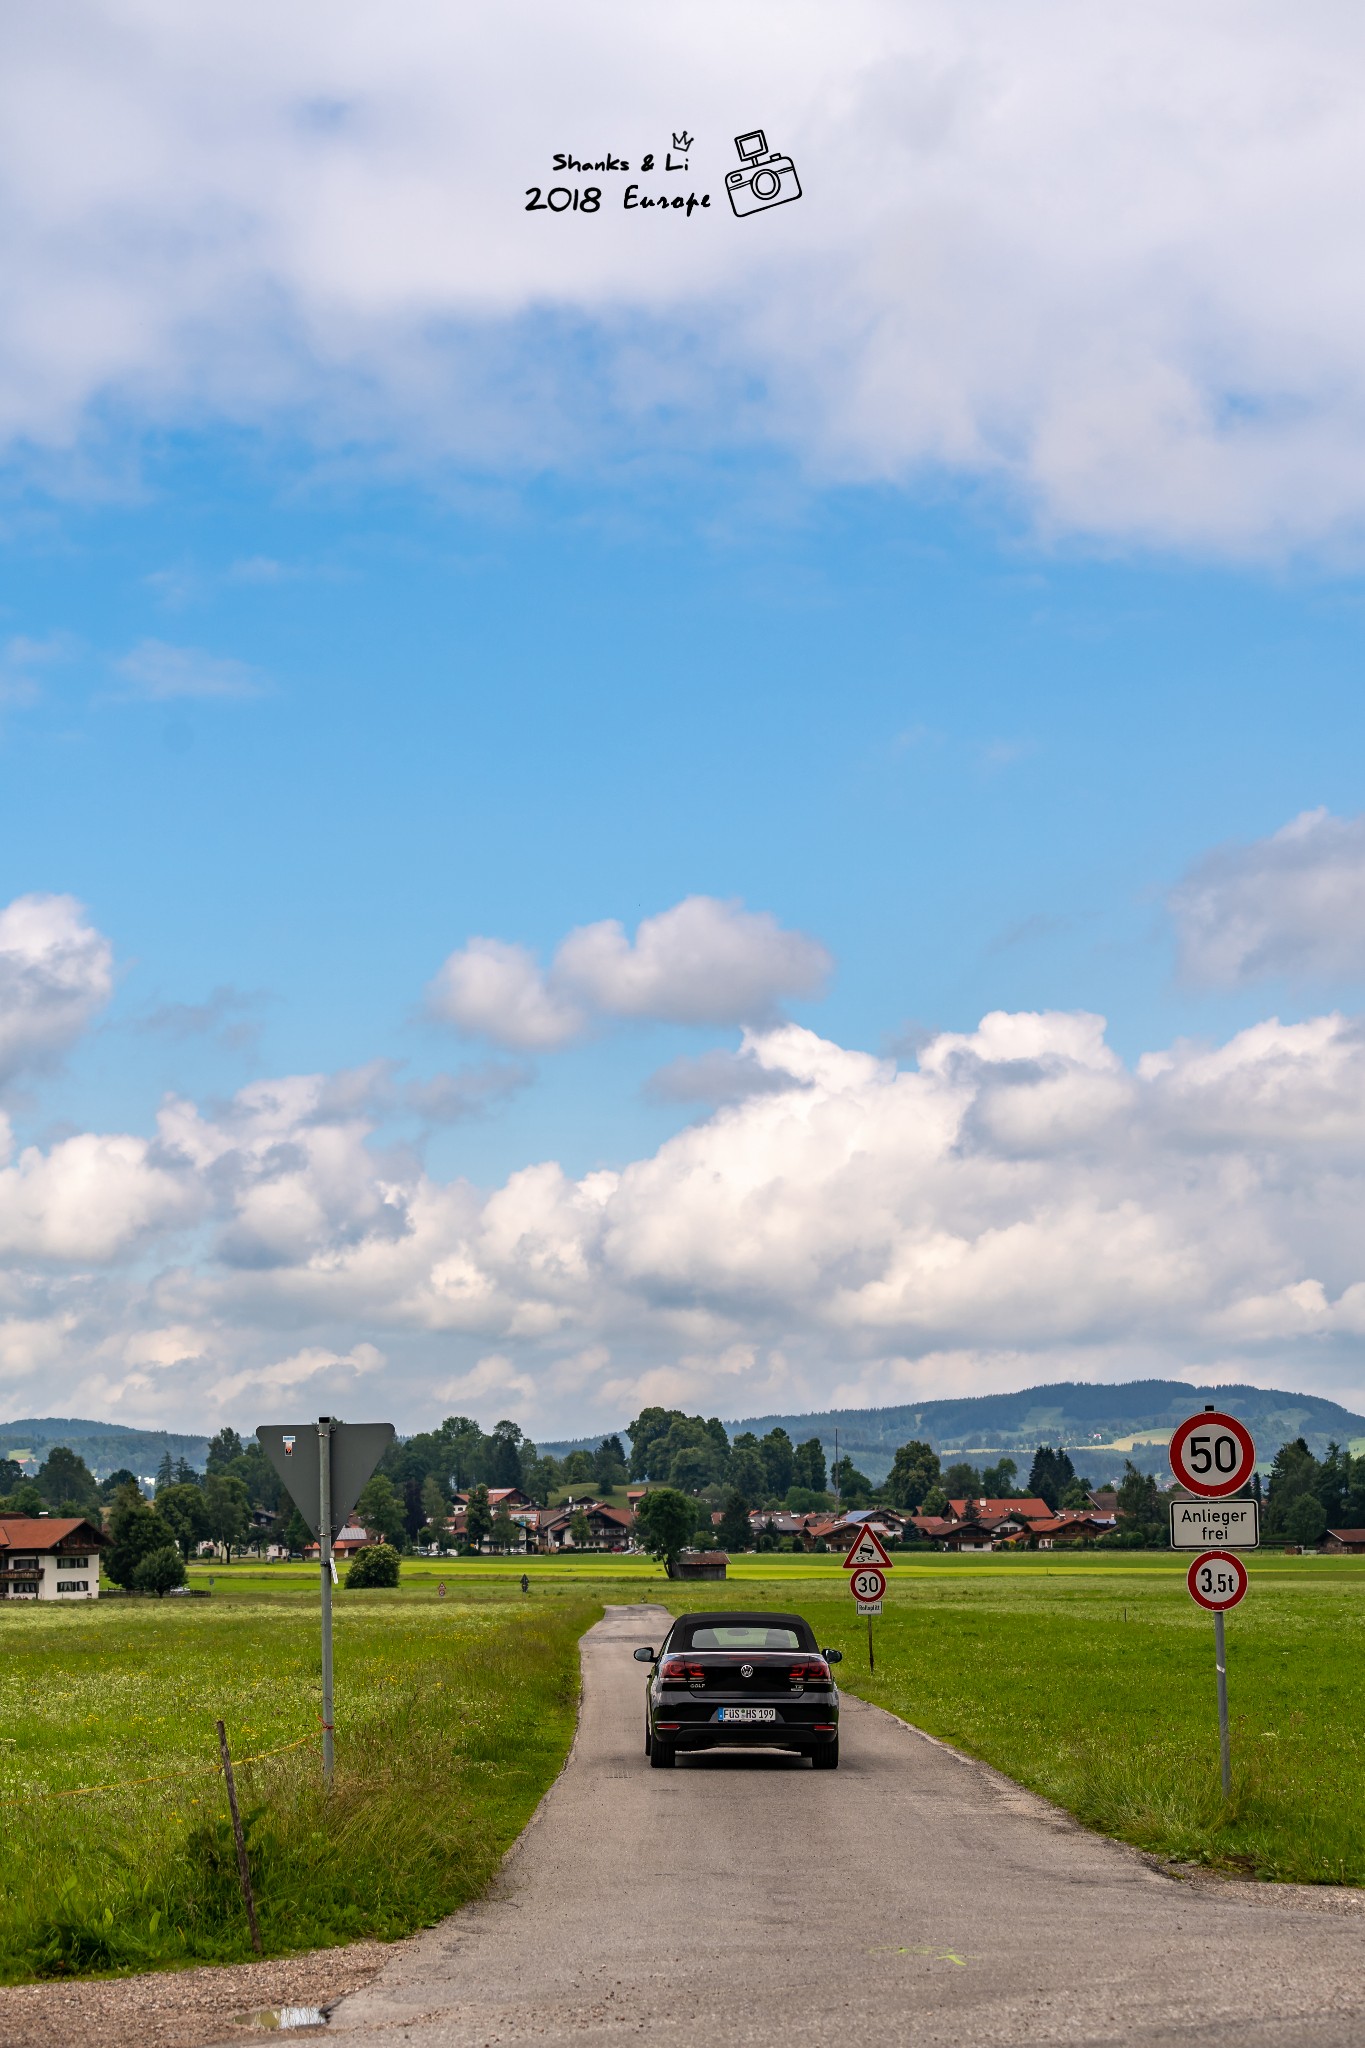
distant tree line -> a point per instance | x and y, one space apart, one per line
238 1503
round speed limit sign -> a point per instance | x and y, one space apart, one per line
867 1583
1213 1454
1217 1580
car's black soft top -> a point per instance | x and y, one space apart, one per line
743 1617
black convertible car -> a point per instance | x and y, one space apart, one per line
733 1681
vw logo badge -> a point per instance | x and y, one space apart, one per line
746 1670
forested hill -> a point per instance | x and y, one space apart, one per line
105 1446
1073 1412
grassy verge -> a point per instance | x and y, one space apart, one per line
452 1718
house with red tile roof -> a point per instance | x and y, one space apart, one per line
50 1557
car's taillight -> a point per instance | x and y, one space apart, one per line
682 1671
816 1672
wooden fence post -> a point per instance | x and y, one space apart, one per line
242 1871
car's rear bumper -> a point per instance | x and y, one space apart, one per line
756 1735
688 1724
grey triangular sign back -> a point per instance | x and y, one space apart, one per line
292 1449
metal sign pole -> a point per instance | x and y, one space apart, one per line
1220 1658
871 1661
325 1554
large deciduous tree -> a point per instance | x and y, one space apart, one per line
186 1510
136 1529
228 1506
665 1521
914 1471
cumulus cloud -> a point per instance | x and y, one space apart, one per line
1096 255
1020 1205
470 1092
160 673
490 989
1290 906
56 972
702 962
716 1076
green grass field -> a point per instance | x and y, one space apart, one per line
452 1718
1088 1678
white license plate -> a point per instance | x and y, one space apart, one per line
746 1713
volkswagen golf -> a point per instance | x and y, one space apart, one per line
740 1681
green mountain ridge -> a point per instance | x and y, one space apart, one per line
105 1446
1083 1415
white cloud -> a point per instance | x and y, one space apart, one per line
1290 906
160 673
489 989
56 972
1020 1206
702 962
89 1199
470 1092
1099 255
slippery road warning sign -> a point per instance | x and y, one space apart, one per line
868 1549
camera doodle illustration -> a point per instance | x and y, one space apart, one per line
765 177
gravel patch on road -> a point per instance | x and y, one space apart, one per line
180 2008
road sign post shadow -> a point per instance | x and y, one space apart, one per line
323 1467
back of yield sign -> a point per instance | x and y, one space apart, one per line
687 207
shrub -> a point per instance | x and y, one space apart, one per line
159 1570
374 1564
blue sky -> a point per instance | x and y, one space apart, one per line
972 764
952 592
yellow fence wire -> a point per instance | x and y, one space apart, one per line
164 1778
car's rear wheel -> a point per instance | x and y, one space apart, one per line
826 1758
661 1754
649 1736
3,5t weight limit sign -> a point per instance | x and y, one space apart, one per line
1212 1454
1217 1580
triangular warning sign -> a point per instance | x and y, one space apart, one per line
869 1549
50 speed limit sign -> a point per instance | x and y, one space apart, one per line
1217 1580
1212 1454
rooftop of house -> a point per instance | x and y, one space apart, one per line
1346 1535
1031 1508
49 1532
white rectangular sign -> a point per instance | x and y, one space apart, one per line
869 1607
1215 1525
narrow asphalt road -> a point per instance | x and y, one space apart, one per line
909 1897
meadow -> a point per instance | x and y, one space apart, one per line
452 1718
1088 1678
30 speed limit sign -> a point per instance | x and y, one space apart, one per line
1217 1580
1212 1454
867 1585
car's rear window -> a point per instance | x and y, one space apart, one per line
737 1635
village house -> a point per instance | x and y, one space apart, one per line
50 1557
510 1497
1031 1509
1075 1526
1342 1542
608 1528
